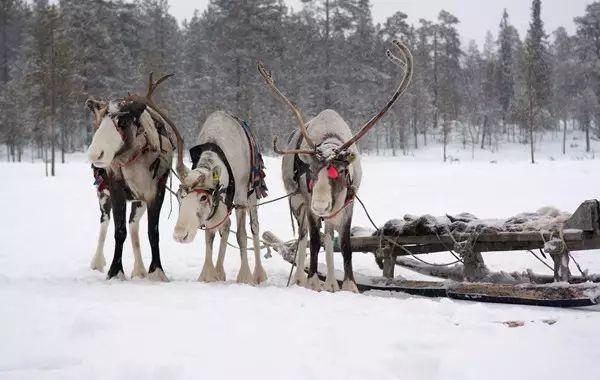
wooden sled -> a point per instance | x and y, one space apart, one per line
582 232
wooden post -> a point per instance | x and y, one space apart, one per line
389 263
561 266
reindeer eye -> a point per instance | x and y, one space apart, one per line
203 198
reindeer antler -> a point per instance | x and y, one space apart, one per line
149 102
407 66
293 151
267 76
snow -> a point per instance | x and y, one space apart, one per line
59 320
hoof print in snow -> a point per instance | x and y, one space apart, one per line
513 324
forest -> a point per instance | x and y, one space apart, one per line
329 54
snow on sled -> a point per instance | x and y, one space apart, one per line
549 231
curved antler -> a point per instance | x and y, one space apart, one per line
293 151
149 102
407 65
267 76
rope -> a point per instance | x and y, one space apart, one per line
542 261
382 236
276 199
583 273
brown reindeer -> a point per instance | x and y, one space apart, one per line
133 148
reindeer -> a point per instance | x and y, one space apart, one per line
227 175
133 158
321 167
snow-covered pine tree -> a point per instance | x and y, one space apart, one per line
537 73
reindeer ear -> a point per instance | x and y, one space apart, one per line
93 104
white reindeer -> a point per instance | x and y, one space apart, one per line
322 167
221 181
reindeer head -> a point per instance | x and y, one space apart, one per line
330 161
115 123
199 198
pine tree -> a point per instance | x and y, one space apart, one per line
537 72
506 64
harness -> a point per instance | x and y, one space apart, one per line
302 168
217 192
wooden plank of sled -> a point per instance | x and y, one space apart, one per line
502 241
552 296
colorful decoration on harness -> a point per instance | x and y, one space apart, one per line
332 172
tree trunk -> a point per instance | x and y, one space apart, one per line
530 122
587 135
415 132
63 142
564 144
444 138
484 129
435 81
52 98
46 159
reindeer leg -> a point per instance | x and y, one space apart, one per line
349 284
244 275
119 208
314 226
138 208
208 273
222 249
98 260
156 272
331 284
260 275
298 210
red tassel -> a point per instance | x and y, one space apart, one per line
332 172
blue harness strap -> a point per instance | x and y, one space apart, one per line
257 165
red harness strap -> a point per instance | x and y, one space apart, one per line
346 204
209 200
218 224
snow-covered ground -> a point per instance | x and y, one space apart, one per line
59 320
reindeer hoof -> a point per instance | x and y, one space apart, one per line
119 275
244 276
158 275
331 285
349 286
299 278
139 271
221 274
313 283
260 275
98 263
208 274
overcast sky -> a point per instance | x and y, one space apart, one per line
476 16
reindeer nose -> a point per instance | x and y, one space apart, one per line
180 235
96 156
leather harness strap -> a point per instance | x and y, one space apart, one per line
195 154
